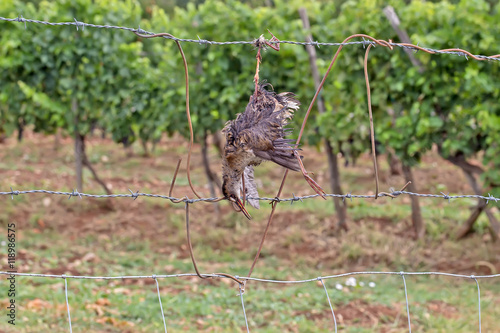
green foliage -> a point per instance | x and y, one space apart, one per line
46 69
221 77
443 105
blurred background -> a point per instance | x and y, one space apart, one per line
103 111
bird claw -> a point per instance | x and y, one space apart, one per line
238 205
315 186
270 43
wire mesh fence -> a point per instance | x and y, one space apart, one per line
242 281
262 280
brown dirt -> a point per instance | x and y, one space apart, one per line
360 314
440 308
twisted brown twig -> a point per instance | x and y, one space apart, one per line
260 43
188 237
188 113
372 131
172 184
392 195
191 253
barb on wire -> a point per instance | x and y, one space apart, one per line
453 51
13 193
20 18
74 194
134 195
79 24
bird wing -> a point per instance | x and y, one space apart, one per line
261 128
284 158
265 106
251 187
267 137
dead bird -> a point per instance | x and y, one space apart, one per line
257 135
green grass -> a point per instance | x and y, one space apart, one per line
192 305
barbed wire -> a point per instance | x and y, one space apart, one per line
320 279
294 198
364 43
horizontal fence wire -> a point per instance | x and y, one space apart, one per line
246 278
200 41
294 198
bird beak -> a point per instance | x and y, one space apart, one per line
242 208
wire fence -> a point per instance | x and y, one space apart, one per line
261 280
364 43
294 198
241 281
